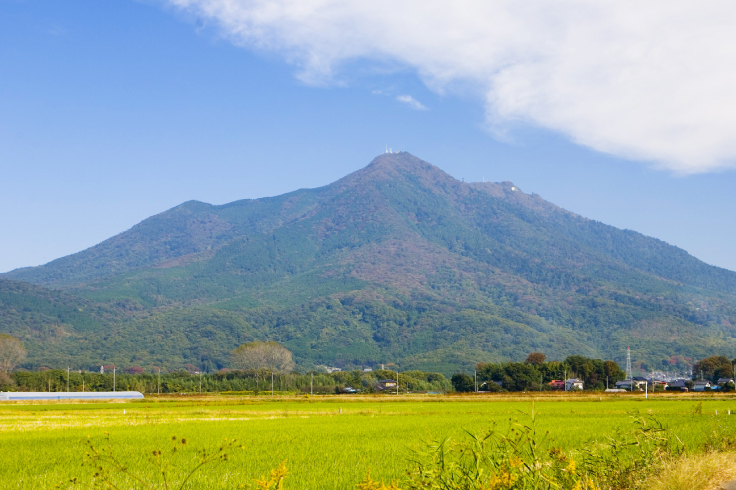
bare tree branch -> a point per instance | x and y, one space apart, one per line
263 355
12 352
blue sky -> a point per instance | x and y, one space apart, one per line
113 111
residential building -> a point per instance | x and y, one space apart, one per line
573 384
386 384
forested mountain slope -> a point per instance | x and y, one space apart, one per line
397 262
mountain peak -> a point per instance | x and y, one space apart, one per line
403 162
399 166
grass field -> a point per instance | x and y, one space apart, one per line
328 442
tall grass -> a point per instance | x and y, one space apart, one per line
706 471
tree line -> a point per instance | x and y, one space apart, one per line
249 381
536 374
269 366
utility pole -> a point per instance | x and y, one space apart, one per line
67 379
200 382
476 381
113 378
397 382
565 379
311 385
628 363
606 382
159 381
271 383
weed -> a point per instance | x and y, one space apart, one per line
111 472
369 483
522 459
694 472
275 480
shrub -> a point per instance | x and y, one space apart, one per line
462 383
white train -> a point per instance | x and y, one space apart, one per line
68 395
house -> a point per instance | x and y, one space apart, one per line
626 384
573 384
701 385
656 383
631 384
723 381
677 385
641 381
556 384
329 369
386 384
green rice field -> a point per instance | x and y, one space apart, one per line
328 442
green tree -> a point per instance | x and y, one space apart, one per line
463 383
713 367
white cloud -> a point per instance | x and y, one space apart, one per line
411 102
651 80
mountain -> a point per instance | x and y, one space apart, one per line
397 262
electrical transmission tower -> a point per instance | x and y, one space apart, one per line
628 362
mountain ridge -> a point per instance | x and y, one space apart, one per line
402 237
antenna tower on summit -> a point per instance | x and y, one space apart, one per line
628 362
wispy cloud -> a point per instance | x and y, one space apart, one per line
645 80
411 102
56 30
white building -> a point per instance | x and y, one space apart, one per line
573 384
68 395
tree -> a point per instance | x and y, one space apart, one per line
12 352
536 358
463 383
713 367
263 355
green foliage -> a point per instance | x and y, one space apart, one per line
525 376
714 367
462 383
251 381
